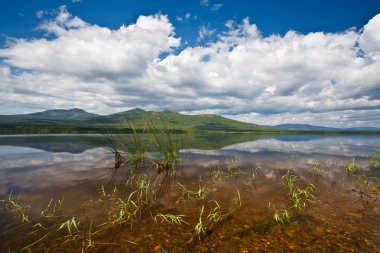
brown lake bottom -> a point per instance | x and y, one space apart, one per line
212 203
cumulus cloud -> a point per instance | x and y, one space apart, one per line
243 74
79 48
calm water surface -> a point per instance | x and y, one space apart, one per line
344 216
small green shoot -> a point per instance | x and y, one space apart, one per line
375 161
10 205
187 194
237 199
171 219
69 225
200 229
351 167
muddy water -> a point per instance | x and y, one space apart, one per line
344 214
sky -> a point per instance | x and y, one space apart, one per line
266 62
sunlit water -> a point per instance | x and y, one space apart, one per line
343 216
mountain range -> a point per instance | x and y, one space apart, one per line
78 120
307 127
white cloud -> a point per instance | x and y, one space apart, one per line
243 74
212 7
187 16
83 49
205 3
216 7
204 33
370 38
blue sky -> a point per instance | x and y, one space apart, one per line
267 62
18 18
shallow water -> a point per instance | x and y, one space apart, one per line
344 215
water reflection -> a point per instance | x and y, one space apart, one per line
58 160
84 171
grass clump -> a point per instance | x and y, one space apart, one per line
69 225
187 194
53 208
125 212
163 137
351 167
280 216
232 170
200 228
137 152
375 161
299 197
145 192
317 169
11 205
171 219
237 199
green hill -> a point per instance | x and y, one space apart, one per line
78 120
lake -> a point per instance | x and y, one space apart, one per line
227 193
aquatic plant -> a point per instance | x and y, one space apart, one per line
280 216
10 205
163 137
232 170
237 198
215 215
69 225
317 169
87 241
125 212
137 152
367 189
200 228
171 219
375 161
187 194
145 191
299 197
254 175
233 167
351 167
53 208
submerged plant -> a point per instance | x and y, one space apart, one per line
232 170
200 229
53 208
299 197
351 167
254 175
280 216
125 212
317 169
145 191
237 198
375 161
187 194
233 167
215 215
171 219
69 225
10 205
